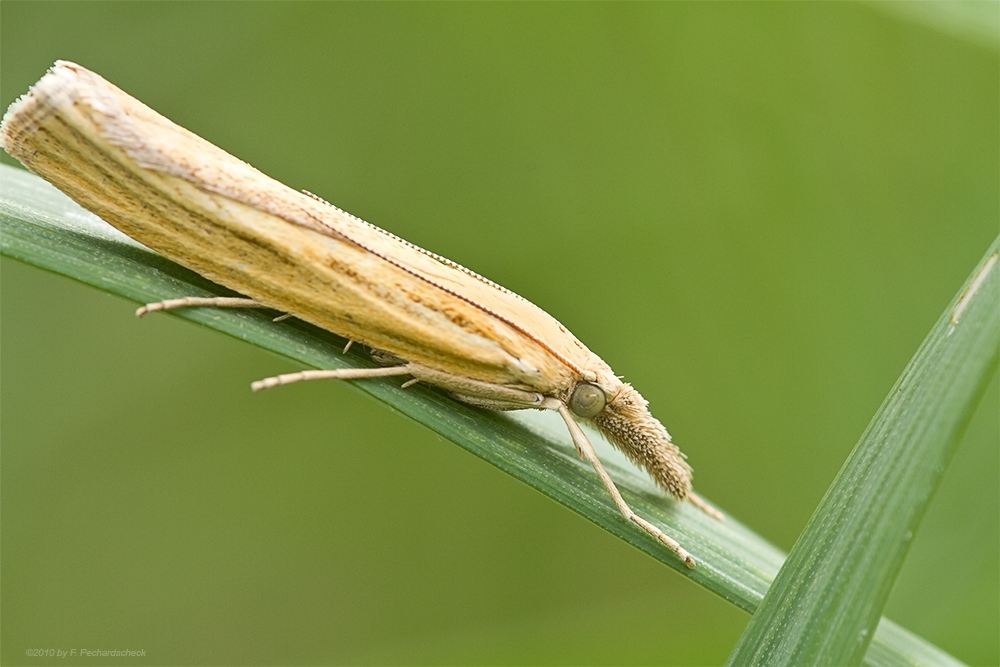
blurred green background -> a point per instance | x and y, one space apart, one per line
754 212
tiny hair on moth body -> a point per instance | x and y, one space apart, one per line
425 316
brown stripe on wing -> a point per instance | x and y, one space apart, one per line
335 233
414 246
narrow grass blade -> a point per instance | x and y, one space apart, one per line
42 227
825 604
974 21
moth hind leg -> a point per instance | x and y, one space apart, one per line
199 302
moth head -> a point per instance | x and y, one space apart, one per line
587 400
621 414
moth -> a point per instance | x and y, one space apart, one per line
425 317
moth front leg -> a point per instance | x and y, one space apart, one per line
587 452
498 397
476 392
491 403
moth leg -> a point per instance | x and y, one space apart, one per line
586 451
199 302
700 503
339 374
385 358
476 392
488 403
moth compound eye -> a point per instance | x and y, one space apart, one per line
587 400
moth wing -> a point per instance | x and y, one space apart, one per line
391 294
542 340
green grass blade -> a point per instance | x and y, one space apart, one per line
825 604
42 227
974 21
